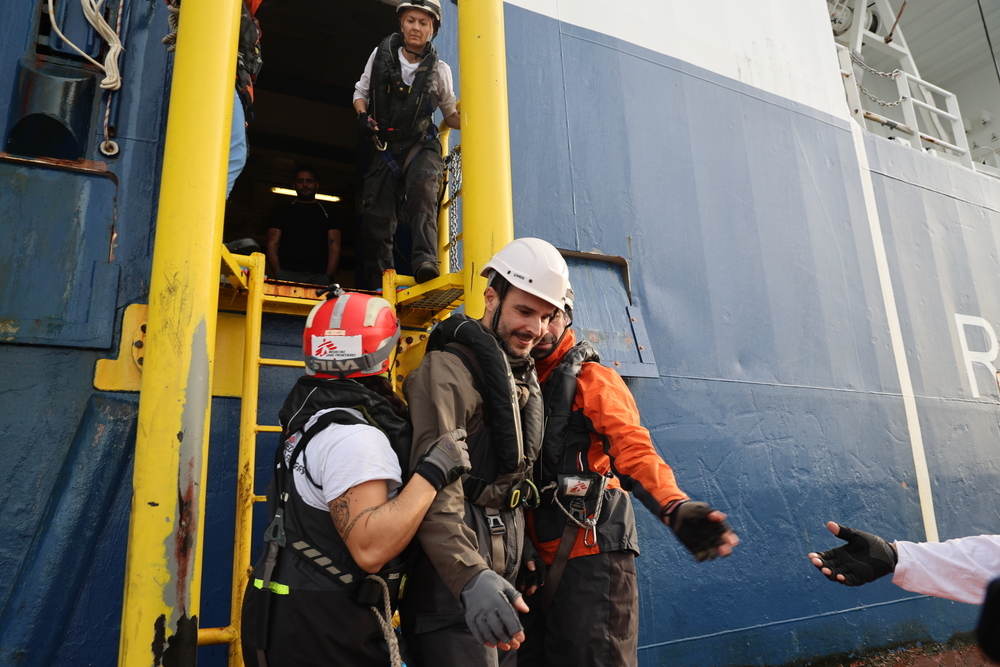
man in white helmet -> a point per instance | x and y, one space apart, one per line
460 601
403 83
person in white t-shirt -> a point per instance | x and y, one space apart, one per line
325 589
959 569
403 84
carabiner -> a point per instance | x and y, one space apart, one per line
592 532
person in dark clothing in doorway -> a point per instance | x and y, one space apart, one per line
402 85
303 237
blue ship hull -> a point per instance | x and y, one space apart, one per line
754 260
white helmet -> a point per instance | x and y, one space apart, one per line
532 265
432 7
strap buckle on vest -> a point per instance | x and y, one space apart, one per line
495 522
276 530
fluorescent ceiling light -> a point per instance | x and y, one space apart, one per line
288 191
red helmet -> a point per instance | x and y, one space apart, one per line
350 335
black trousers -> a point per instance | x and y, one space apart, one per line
419 188
593 620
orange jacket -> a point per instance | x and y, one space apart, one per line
619 445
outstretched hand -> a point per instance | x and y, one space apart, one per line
702 529
864 558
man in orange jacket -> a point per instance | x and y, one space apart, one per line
594 450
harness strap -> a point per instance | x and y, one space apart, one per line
264 603
558 566
497 531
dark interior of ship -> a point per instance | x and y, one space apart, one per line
314 51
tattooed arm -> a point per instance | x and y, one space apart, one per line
377 529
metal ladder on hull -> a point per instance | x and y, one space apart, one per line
945 130
418 308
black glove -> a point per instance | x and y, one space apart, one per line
446 460
366 124
988 630
864 558
526 578
690 523
489 611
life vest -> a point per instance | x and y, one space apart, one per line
558 395
504 451
248 56
402 112
323 560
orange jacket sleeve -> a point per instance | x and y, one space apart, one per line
620 437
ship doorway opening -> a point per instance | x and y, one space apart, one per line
314 51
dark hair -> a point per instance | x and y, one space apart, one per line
305 167
381 386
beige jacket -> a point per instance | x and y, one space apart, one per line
442 396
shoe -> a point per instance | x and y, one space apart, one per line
426 271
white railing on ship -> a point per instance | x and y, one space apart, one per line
909 105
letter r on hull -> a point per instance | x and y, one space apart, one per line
970 356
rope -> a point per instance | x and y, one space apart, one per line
588 524
170 39
385 621
891 75
92 11
109 147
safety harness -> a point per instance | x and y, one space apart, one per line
576 488
248 59
403 112
501 465
288 530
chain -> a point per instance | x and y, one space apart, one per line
889 75
454 165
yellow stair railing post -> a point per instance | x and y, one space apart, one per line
487 209
247 458
163 566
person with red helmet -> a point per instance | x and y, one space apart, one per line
324 590
477 375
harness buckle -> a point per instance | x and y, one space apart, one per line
496 524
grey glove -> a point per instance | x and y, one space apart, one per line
690 523
864 558
489 611
446 460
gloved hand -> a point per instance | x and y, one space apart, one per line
366 124
530 577
864 558
489 611
988 630
698 532
446 460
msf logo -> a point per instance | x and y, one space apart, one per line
967 324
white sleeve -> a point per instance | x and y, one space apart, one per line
364 83
445 86
957 569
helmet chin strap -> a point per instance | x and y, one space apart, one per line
496 313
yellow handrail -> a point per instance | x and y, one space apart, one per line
162 592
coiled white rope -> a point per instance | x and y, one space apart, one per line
385 622
92 11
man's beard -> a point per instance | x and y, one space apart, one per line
504 335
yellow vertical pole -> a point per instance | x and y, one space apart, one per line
163 566
487 209
247 458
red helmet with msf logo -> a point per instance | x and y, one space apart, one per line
350 335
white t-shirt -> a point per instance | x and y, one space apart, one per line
957 569
443 84
341 456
